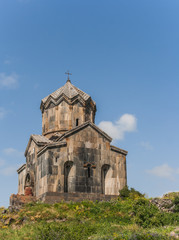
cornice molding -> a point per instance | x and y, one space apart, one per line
19 170
70 101
84 125
32 138
51 145
119 150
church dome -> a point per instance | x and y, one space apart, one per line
65 109
68 92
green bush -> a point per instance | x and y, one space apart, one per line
129 193
176 202
54 231
132 218
146 214
148 236
124 193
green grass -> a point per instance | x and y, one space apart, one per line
129 219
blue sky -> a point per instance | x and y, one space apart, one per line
125 54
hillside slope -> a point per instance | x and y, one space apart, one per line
131 218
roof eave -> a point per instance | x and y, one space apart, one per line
37 143
88 123
50 145
21 168
119 150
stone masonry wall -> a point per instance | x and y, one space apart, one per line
21 181
87 151
64 117
119 178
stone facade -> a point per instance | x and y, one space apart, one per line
72 159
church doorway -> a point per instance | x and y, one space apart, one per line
104 171
67 167
28 185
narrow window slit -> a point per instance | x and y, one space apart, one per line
77 122
89 172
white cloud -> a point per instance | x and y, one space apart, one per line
8 81
2 112
13 152
146 146
164 171
117 130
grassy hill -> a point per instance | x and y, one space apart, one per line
130 217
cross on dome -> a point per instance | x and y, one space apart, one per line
68 73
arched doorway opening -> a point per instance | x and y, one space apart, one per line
28 186
104 171
67 167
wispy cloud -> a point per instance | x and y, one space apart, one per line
2 162
2 112
13 152
36 86
5 169
9 171
117 130
164 171
8 81
7 62
146 146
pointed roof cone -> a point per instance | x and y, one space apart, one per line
70 91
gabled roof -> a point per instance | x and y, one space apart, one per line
82 126
51 145
119 150
61 141
69 91
21 168
39 140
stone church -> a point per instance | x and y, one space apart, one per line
73 159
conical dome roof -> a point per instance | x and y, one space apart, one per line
69 91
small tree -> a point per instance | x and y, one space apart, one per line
129 193
124 192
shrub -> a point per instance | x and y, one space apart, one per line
75 231
124 193
171 195
176 202
148 236
146 214
129 193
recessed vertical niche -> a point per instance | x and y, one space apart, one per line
77 122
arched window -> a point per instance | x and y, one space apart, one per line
28 186
67 167
27 180
104 171
89 171
77 122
